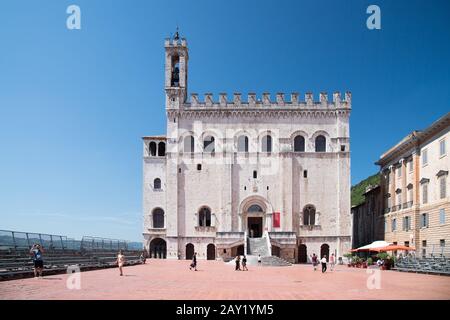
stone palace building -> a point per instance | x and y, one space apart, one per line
265 175
414 185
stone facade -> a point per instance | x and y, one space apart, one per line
233 169
415 187
368 218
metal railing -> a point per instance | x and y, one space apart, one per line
89 243
16 240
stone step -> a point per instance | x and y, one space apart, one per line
257 246
275 262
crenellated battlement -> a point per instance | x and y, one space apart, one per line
267 101
172 42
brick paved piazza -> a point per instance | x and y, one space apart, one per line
165 279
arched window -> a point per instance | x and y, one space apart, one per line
158 218
321 144
309 215
161 149
299 144
266 144
255 208
189 144
157 184
204 217
209 144
175 79
152 149
242 144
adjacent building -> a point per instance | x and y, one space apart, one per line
268 171
415 189
368 218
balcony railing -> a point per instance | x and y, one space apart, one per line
387 210
396 207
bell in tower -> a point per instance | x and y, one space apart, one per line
176 69
175 76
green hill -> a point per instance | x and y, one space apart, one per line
358 190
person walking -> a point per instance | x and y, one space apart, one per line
244 263
332 262
314 261
194 262
259 260
120 262
238 262
324 263
36 251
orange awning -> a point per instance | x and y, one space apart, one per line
394 248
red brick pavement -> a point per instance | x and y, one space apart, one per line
166 279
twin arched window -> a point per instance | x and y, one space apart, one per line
309 215
204 217
158 218
157 149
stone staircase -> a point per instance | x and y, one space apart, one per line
274 261
258 246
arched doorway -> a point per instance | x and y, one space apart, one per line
211 252
158 249
255 206
325 251
255 221
276 251
302 254
189 251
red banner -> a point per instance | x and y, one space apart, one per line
276 219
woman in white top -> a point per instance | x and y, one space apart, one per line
324 263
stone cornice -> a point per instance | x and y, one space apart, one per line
257 113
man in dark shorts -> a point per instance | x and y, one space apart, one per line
36 251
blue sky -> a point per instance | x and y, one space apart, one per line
75 103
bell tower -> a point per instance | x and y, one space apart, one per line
176 69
